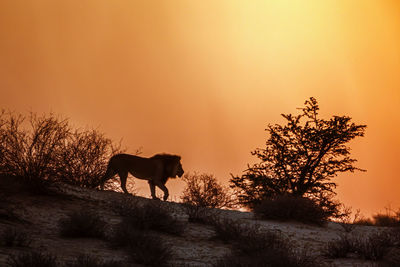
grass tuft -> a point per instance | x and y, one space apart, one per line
32 259
84 223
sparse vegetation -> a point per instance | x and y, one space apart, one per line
151 215
340 247
288 208
388 219
84 223
372 247
85 260
200 214
45 149
203 195
203 190
143 246
32 259
254 247
300 159
13 237
347 221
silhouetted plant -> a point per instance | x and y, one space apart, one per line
347 221
203 190
29 149
83 223
254 247
150 215
287 208
372 247
269 258
13 237
198 214
390 218
391 258
32 259
340 247
142 246
203 195
85 157
45 149
364 221
85 260
300 158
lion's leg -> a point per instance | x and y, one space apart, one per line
164 189
109 174
153 190
123 175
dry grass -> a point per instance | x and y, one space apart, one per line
151 215
143 246
288 208
14 237
84 223
32 259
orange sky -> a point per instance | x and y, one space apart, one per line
204 78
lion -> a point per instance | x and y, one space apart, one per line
156 170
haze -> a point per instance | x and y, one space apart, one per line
203 79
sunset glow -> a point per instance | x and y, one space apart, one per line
203 79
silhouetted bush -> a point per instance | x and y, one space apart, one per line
391 258
254 247
375 246
340 247
84 223
372 247
84 260
390 219
364 221
200 214
346 221
150 215
32 259
289 208
45 149
300 158
203 190
268 258
13 237
142 246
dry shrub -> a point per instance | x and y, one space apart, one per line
44 149
389 219
32 259
290 208
340 247
372 247
254 247
347 221
364 221
150 215
13 237
143 247
203 190
392 258
84 223
84 260
200 214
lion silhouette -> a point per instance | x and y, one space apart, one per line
156 170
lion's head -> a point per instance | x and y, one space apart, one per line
172 165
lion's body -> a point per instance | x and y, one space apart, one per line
156 170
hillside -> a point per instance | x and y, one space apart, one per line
38 216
